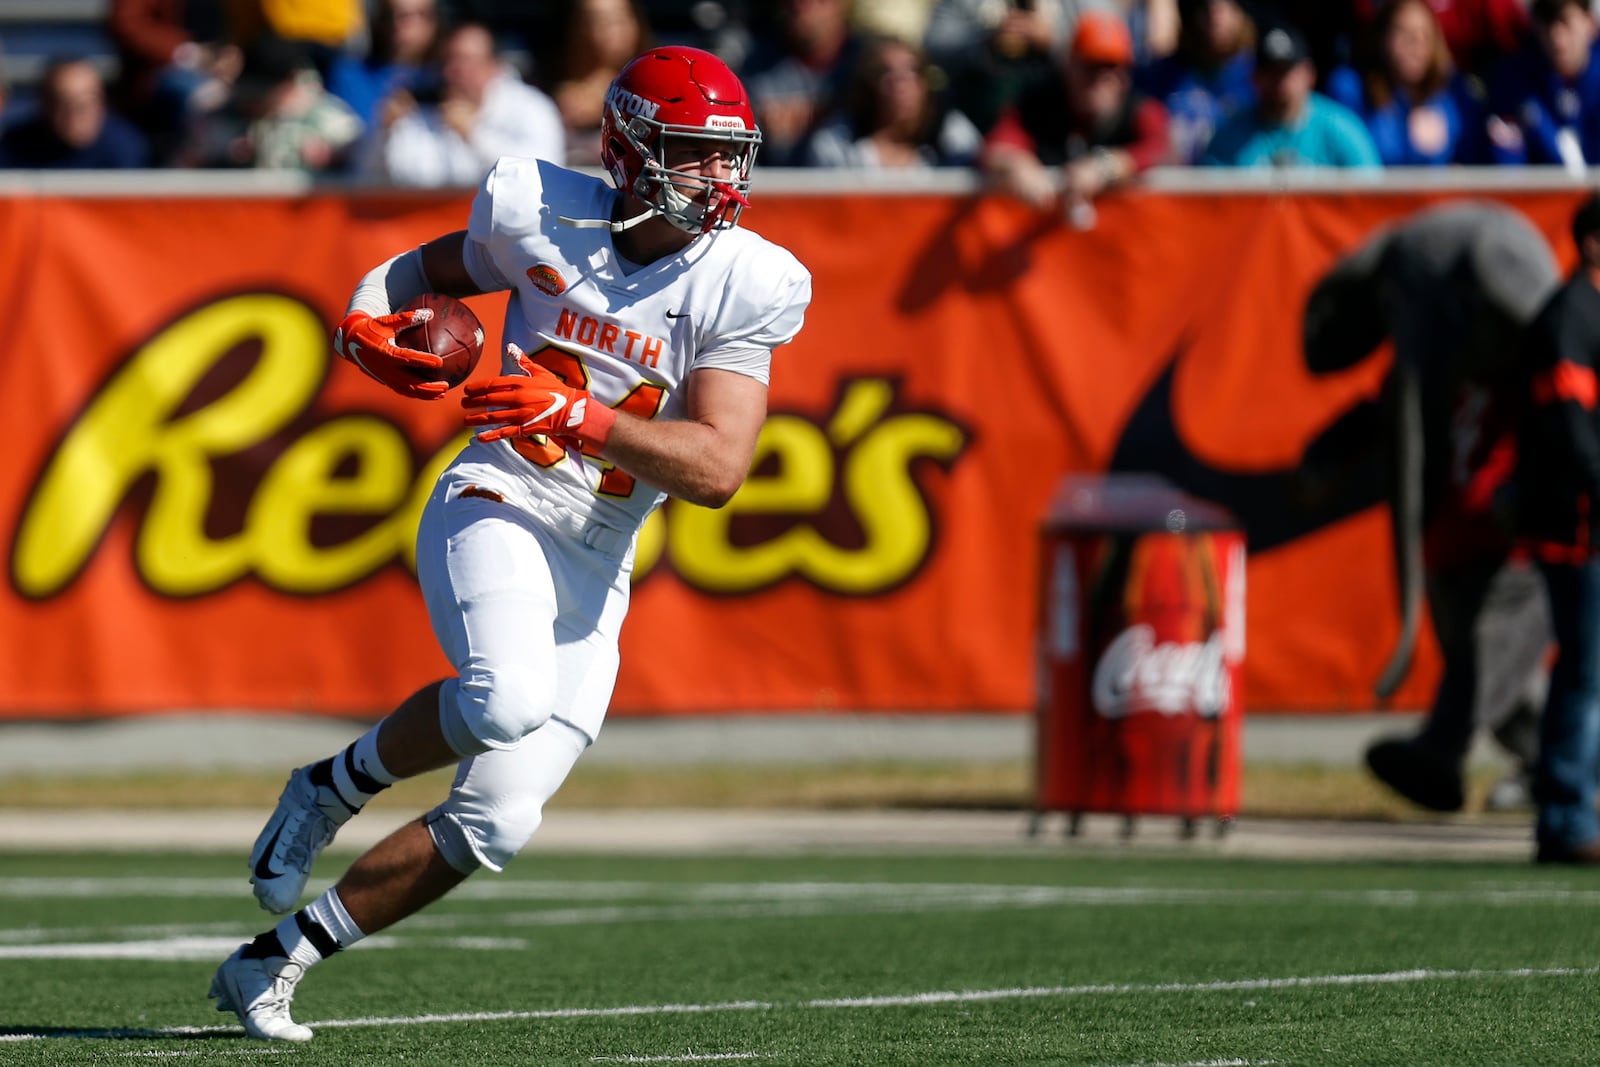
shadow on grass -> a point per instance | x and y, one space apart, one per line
121 1033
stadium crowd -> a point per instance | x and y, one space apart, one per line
430 92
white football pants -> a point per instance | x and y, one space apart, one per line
529 615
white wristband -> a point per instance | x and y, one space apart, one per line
390 284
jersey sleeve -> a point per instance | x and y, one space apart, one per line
745 347
487 245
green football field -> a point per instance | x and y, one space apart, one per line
1058 958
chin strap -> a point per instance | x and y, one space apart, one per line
607 224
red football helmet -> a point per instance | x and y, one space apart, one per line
676 92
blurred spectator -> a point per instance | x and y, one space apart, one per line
1479 32
1546 99
325 27
483 111
1155 25
904 20
5 85
1010 27
992 50
1290 124
1329 27
718 26
1558 494
892 118
1416 108
178 64
1089 121
404 34
799 74
73 130
1209 79
599 39
279 118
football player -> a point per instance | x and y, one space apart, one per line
639 333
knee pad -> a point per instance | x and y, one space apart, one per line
498 798
493 707
468 842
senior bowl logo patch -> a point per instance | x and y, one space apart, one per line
547 279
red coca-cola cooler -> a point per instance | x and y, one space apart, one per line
1141 641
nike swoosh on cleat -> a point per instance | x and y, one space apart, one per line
262 870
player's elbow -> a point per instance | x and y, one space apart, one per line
715 486
718 491
722 463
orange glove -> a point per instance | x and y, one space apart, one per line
369 343
536 403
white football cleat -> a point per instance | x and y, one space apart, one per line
281 861
259 992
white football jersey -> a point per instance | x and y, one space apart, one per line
631 339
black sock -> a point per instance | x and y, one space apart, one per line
264 945
349 778
321 775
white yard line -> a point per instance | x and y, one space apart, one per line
715 901
1202 1063
968 996
888 892
273 1050
181 949
692 1057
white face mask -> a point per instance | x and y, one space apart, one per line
693 203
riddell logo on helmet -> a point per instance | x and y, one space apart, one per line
631 103
724 122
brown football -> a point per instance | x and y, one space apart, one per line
454 334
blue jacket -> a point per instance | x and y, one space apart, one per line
33 144
1541 112
1461 116
364 84
1198 101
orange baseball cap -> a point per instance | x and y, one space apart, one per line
1102 37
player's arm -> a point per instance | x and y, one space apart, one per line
1018 172
444 263
702 458
366 337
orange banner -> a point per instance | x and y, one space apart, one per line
204 510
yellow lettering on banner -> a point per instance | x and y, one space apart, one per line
301 485
651 543
875 470
702 552
129 431
142 427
